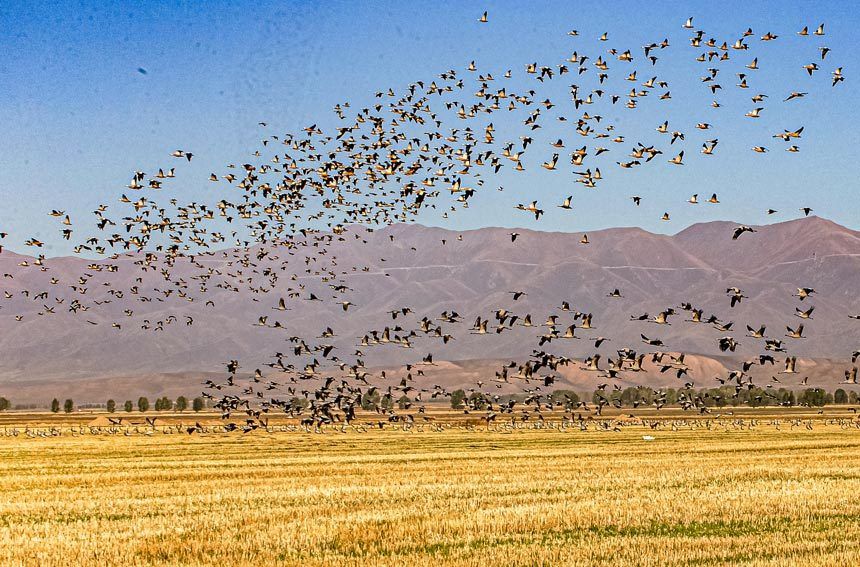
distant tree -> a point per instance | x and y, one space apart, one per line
128 406
840 396
812 397
163 404
457 399
566 398
111 406
852 397
404 402
142 404
4 404
55 405
477 401
68 406
197 404
671 397
370 400
181 403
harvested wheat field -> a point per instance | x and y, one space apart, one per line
722 496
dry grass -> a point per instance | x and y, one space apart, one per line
724 496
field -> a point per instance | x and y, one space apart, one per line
715 492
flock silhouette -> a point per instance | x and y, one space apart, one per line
431 146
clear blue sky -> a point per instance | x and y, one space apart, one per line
78 117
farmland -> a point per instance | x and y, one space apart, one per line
757 490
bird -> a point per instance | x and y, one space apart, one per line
740 230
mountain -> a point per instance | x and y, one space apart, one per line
408 265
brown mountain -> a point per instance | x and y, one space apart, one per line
62 353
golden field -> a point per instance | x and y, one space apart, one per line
715 492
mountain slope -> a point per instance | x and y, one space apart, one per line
408 265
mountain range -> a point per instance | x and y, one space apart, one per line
432 270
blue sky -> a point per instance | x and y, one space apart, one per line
79 118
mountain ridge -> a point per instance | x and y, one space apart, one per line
472 276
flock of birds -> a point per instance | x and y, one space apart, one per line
118 426
432 146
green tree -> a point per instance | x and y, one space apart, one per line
128 406
197 404
812 397
181 403
68 406
840 396
404 402
142 404
566 398
370 400
55 405
477 401
457 399
4 404
111 406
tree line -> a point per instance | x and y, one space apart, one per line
643 396
631 397
161 404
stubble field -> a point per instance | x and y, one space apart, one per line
726 494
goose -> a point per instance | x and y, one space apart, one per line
804 314
740 230
592 364
790 364
756 333
803 292
651 342
837 76
662 318
811 68
795 333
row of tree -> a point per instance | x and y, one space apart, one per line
161 404
643 396
628 397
